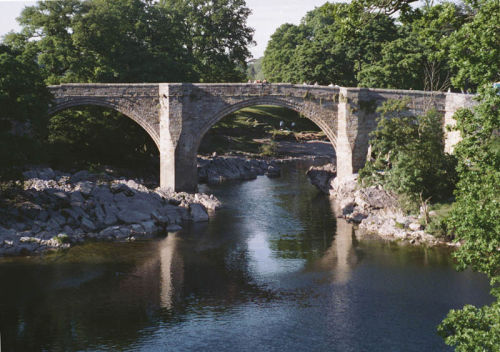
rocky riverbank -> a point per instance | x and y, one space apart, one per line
217 169
52 209
374 209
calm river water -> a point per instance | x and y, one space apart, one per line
273 271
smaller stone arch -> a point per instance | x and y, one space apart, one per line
122 105
300 107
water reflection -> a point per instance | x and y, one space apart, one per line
274 270
171 270
341 257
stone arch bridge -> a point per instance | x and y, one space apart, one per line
177 115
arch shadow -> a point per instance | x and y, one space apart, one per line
130 113
266 100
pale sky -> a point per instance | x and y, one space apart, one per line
267 15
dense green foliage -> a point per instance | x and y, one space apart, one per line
24 100
474 220
432 47
326 48
475 47
408 155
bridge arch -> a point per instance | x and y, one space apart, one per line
300 107
127 107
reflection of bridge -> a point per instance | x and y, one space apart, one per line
177 115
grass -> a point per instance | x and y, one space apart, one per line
438 226
239 131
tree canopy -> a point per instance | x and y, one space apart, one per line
390 44
474 220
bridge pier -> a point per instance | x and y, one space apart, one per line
177 115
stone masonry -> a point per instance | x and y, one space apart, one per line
177 115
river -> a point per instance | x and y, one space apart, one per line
274 270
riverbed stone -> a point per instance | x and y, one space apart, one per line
173 228
198 213
88 225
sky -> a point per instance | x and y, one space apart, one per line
266 17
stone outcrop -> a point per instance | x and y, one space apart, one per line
56 210
376 211
218 169
320 176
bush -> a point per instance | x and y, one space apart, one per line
408 156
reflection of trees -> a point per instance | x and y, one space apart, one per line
303 202
80 304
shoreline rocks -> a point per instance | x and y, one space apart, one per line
54 210
320 176
376 212
217 169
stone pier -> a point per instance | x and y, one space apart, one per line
177 115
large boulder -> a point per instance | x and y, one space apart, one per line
374 197
198 213
320 176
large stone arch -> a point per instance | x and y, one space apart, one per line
313 115
125 106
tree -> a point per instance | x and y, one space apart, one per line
408 155
475 47
474 221
216 36
329 46
106 41
24 99
418 58
278 63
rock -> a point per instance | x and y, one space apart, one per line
120 187
76 197
218 169
373 197
173 228
79 176
347 206
415 227
88 225
30 209
273 171
99 213
70 213
84 187
321 176
149 226
160 218
132 216
341 188
198 213
79 208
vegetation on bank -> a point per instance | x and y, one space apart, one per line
408 158
474 219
